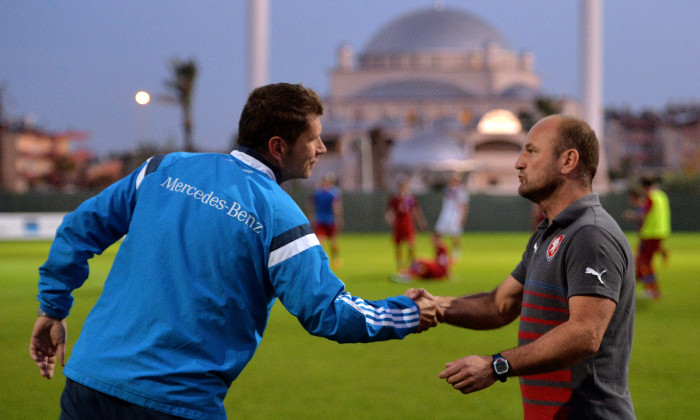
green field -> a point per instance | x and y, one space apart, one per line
294 375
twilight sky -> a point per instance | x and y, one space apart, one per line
76 65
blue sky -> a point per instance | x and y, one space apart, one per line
76 65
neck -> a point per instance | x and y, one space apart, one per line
561 199
264 158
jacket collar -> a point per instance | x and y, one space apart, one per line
572 213
251 157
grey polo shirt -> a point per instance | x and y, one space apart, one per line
582 252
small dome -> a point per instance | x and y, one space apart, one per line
434 29
499 121
430 150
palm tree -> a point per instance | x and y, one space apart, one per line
181 86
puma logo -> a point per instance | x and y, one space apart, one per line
589 270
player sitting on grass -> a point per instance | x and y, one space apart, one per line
423 268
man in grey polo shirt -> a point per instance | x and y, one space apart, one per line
574 291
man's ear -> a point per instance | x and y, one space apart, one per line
569 161
277 148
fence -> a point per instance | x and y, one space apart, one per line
37 215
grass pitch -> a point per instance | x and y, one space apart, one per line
297 376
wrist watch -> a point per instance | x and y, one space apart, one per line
501 367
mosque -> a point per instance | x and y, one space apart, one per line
433 91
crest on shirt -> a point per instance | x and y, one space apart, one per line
554 247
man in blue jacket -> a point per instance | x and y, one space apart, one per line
211 241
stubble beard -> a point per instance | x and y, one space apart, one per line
297 172
539 193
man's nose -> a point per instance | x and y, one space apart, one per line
519 163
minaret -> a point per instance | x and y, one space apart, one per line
591 79
258 42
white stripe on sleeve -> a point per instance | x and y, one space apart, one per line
383 317
291 249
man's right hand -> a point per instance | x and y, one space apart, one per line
48 342
430 312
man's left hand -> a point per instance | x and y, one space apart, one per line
469 374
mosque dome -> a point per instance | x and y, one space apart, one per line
434 29
413 89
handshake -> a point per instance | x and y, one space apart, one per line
431 311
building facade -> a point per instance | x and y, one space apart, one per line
435 71
32 159
654 142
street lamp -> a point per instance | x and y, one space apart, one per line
142 97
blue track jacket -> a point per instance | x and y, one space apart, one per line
211 241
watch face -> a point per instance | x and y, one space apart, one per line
500 366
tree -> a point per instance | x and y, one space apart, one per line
181 86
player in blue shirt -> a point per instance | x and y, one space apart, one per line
210 241
327 215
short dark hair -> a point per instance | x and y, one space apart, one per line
280 109
648 181
577 134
